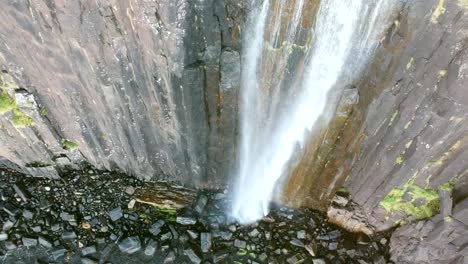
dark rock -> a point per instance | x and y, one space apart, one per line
192 234
130 190
166 236
192 256
28 214
170 258
318 261
130 245
68 235
219 257
301 234
58 253
201 203
7 225
297 243
44 242
296 259
150 248
20 193
254 233
332 246
88 250
230 69
205 242
240 244
29 242
116 214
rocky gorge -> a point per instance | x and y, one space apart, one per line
99 96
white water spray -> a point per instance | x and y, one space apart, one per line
343 29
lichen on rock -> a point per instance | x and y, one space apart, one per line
68 145
412 200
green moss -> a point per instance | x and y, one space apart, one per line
43 111
39 164
447 187
20 119
6 102
399 160
242 252
68 145
168 214
413 201
343 190
448 219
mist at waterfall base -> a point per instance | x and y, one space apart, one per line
346 32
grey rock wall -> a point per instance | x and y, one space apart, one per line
134 84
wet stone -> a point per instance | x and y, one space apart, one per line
332 246
58 253
296 259
201 203
192 256
205 242
88 261
219 257
29 242
240 243
44 242
3 237
318 261
297 243
150 248
88 250
254 233
130 245
170 258
301 234
28 214
263 256
192 234
166 236
69 235
226 235
130 190
10 245
7 225
115 214
186 220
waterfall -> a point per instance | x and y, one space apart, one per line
345 34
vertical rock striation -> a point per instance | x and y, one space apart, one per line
143 86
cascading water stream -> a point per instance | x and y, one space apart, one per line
344 29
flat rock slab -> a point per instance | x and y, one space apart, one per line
165 196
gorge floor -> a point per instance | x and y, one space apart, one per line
91 216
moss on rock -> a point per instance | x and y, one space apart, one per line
20 119
68 145
412 200
6 102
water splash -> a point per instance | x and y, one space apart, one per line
346 32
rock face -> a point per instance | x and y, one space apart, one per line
145 87
401 151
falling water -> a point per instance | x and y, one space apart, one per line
346 32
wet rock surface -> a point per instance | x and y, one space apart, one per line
84 218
